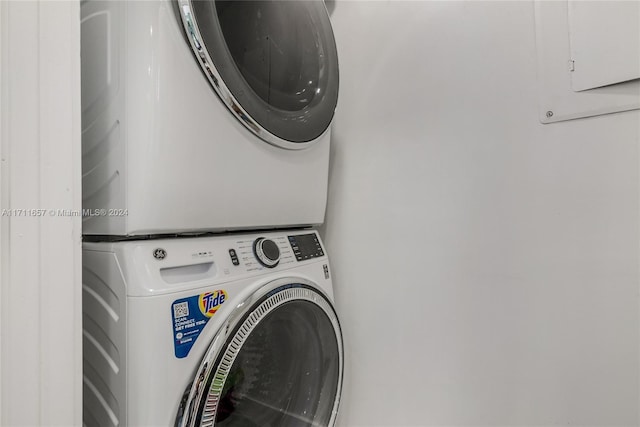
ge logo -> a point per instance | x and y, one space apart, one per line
159 253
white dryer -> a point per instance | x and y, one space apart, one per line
205 115
235 330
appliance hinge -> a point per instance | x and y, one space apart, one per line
572 65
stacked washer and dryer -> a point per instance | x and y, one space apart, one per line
207 294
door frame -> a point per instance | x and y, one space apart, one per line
40 226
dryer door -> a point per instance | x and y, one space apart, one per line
273 62
277 361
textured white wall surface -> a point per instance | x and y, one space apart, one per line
486 265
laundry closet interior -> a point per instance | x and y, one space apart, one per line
320 213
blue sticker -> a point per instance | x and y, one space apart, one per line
190 316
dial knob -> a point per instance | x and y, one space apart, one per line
267 252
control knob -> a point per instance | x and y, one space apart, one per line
267 252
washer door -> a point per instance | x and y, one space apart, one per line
273 62
276 362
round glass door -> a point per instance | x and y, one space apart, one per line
277 364
273 62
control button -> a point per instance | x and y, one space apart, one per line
234 257
267 252
270 250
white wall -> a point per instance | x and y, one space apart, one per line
40 266
486 265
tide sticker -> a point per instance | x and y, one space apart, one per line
210 302
190 315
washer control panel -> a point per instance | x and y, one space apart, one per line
262 252
169 263
254 253
306 246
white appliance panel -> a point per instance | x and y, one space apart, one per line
161 152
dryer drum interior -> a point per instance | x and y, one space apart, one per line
279 364
272 62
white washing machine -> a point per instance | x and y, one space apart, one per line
234 330
205 115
